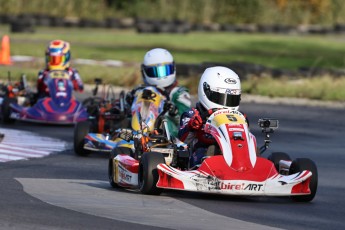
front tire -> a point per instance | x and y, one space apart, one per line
276 157
111 171
298 165
148 173
81 129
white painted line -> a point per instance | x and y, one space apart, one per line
21 145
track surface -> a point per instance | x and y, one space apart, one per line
63 191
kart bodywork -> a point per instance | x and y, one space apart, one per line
239 168
60 108
147 106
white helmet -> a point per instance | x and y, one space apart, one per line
158 68
219 87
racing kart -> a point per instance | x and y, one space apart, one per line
148 105
59 108
106 113
13 92
237 169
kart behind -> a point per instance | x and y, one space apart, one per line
237 168
59 108
100 133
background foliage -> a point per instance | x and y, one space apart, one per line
289 52
288 12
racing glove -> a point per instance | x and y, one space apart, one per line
195 122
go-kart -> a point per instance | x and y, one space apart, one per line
59 108
237 169
14 92
90 136
106 112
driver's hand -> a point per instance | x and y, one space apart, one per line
195 123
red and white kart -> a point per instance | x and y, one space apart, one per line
238 170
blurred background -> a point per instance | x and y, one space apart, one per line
280 48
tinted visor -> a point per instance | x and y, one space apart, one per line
56 60
223 99
159 71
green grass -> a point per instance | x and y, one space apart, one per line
276 51
319 88
281 51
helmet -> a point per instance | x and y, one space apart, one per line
219 87
58 55
158 68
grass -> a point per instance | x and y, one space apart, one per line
324 88
277 51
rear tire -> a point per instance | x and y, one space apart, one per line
6 110
111 171
81 129
148 173
298 165
275 157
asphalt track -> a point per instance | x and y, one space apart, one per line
64 191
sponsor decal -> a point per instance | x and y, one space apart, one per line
227 111
233 91
236 129
241 187
230 81
124 175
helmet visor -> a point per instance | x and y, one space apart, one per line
222 99
56 60
159 71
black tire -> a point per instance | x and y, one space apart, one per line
275 157
298 165
148 173
81 129
6 110
113 154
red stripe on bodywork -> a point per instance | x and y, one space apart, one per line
128 163
301 187
167 181
47 106
240 151
72 106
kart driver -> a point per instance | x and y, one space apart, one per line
158 69
219 88
57 57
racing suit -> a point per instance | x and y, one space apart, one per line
42 89
177 95
192 134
